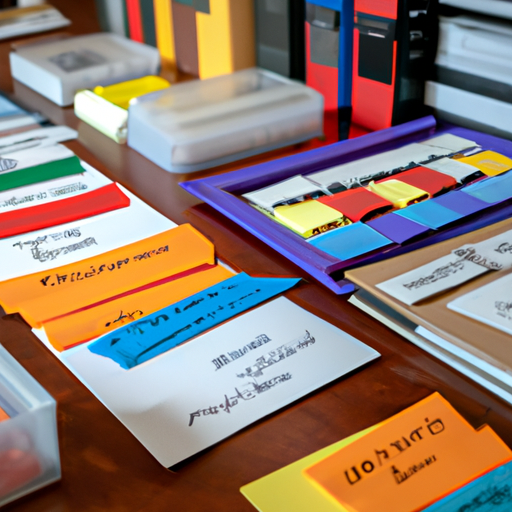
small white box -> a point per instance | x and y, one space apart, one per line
204 123
58 69
29 447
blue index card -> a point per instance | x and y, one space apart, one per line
430 214
492 190
8 108
350 241
461 203
491 492
397 228
159 332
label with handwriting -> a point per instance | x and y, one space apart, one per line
410 460
144 339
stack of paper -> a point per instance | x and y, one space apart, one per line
123 295
452 300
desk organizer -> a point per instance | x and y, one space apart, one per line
387 235
29 449
203 123
58 69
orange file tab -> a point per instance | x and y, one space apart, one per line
70 330
50 294
410 461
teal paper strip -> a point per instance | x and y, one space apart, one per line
140 341
39 173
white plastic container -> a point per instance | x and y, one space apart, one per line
58 69
29 449
203 123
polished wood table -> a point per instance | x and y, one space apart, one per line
105 468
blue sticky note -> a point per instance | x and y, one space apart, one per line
429 214
492 190
461 203
350 241
157 333
491 492
398 228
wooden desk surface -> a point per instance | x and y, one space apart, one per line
105 468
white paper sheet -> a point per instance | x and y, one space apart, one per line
52 190
377 163
283 191
490 304
53 247
434 277
197 394
494 253
32 157
451 142
451 167
37 138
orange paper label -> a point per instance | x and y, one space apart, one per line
3 415
409 461
89 323
50 294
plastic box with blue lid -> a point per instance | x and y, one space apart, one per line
29 449
200 124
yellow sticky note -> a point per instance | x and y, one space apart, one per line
397 192
489 162
407 463
287 489
70 330
310 217
49 294
122 93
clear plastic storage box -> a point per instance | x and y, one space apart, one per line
203 123
29 449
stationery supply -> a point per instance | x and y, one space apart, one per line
203 391
93 321
173 325
50 294
106 108
490 304
101 200
410 460
405 462
29 449
36 138
33 156
465 341
203 123
373 163
52 190
58 69
491 491
29 20
38 173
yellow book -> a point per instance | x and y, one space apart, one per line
397 192
225 37
165 32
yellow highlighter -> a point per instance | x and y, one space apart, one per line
397 192
310 217
122 93
489 162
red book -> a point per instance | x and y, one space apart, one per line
135 20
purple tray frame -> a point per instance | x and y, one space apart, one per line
221 193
